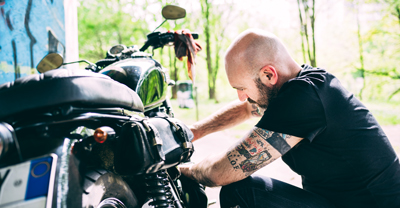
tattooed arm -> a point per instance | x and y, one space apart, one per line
227 117
259 148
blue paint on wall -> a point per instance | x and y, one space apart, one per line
29 30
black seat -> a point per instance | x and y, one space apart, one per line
65 86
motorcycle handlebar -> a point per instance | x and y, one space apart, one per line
105 62
157 39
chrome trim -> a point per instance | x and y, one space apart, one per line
53 170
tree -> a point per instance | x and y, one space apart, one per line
381 49
361 70
103 23
214 31
395 11
307 22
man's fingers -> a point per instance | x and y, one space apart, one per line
186 170
195 133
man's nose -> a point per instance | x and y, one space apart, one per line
242 96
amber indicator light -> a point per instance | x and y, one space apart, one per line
100 136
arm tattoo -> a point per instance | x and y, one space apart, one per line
251 163
241 150
255 162
253 153
232 157
254 157
277 140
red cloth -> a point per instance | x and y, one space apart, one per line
185 45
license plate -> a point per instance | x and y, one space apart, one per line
28 184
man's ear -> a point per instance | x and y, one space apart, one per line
269 75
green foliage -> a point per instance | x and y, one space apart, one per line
382 52
104 23
215 20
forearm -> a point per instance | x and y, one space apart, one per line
259 148
202 171
227 117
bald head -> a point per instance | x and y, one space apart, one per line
253 49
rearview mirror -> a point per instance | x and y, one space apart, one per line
49 62
172 12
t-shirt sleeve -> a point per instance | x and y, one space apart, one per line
297 110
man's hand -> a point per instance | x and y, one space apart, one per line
196 133
198 172
186 170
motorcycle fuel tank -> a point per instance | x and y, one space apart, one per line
143 75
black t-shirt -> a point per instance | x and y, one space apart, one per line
345 156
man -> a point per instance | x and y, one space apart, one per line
320 130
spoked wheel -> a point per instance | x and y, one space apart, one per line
103 189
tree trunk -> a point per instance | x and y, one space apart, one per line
175 87
307 17
207 33
302 29
360 49
313 60
172 71
161 56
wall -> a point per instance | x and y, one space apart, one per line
28 31
71 33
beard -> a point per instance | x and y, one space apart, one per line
266 94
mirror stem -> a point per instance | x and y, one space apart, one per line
160 25
88 62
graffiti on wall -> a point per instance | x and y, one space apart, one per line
29 30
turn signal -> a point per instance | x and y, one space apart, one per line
101 134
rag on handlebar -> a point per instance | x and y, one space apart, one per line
157 39
185 45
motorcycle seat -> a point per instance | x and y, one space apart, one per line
65 86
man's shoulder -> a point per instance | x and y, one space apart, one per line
311 75
309 78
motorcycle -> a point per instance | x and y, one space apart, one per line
102 137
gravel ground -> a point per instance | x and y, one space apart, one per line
220 141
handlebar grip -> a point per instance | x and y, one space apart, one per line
195 35
145 46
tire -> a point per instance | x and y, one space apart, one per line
105 189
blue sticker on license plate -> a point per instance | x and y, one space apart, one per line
27 181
